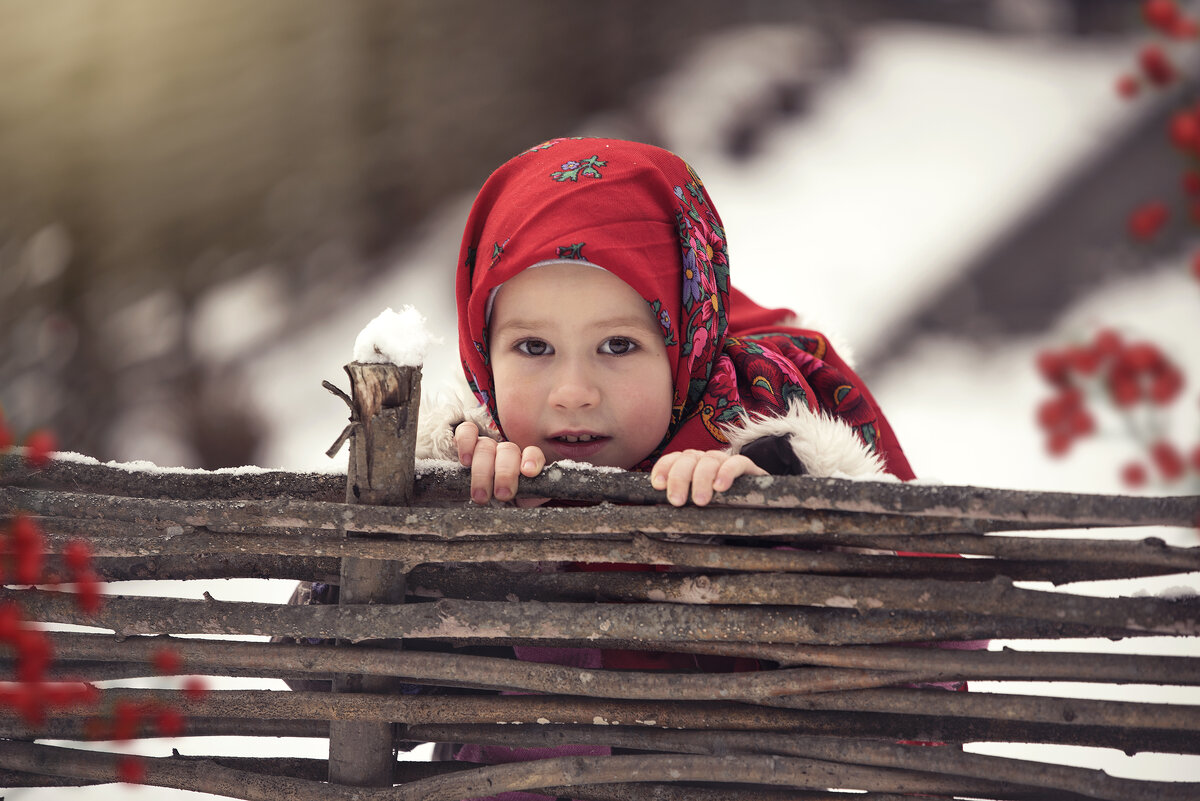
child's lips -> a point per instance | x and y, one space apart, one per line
581 449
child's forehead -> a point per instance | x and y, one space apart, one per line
566 289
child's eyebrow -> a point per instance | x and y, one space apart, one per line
535 324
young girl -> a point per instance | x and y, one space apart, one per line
596 323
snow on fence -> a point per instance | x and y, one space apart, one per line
799 573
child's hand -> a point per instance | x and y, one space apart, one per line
496 467
705 472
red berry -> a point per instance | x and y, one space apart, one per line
26 550
1084 360
1184 28
1081 423
1161 14
1157 67
34 655
131 769
1184 129
1147 220
1052 365
1191 182
1050 413
1133 474
87 594
78 557
1107 342
1167 459
127 716
195 689
1128 86
1166 386
1124 388
169 722
1058 443
1142 356
39 446
10 621
167 661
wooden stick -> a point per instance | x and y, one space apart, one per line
210 776
462 670
945 760
463 522
1128 726
149 554
1172 617
384 413
85 656
548 623
805 492
447 483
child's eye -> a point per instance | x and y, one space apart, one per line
534 347
618 346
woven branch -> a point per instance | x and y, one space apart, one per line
946 761
1172 617
212 777
464 522
88 655
962 717
795 492
233 555
461 670
549 623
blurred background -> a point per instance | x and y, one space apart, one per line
201 203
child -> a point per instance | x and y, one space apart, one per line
597 324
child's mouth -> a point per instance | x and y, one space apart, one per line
578 446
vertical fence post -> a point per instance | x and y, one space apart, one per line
385 400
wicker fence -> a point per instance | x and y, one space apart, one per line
798 573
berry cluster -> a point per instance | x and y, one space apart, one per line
1157 70
31 692
1134 378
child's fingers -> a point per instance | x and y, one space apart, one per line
532 461
733 467
465 437
679 477
483 470
703 476
658 473
507 470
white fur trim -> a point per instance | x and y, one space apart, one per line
827 447
441 414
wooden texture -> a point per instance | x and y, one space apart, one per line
776 574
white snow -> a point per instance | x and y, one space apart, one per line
142 466
400 338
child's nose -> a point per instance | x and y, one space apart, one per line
574 387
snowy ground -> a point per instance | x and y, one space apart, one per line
909 163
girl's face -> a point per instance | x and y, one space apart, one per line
579 366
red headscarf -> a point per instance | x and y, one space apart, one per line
641 213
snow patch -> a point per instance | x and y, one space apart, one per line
400 338
143 466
